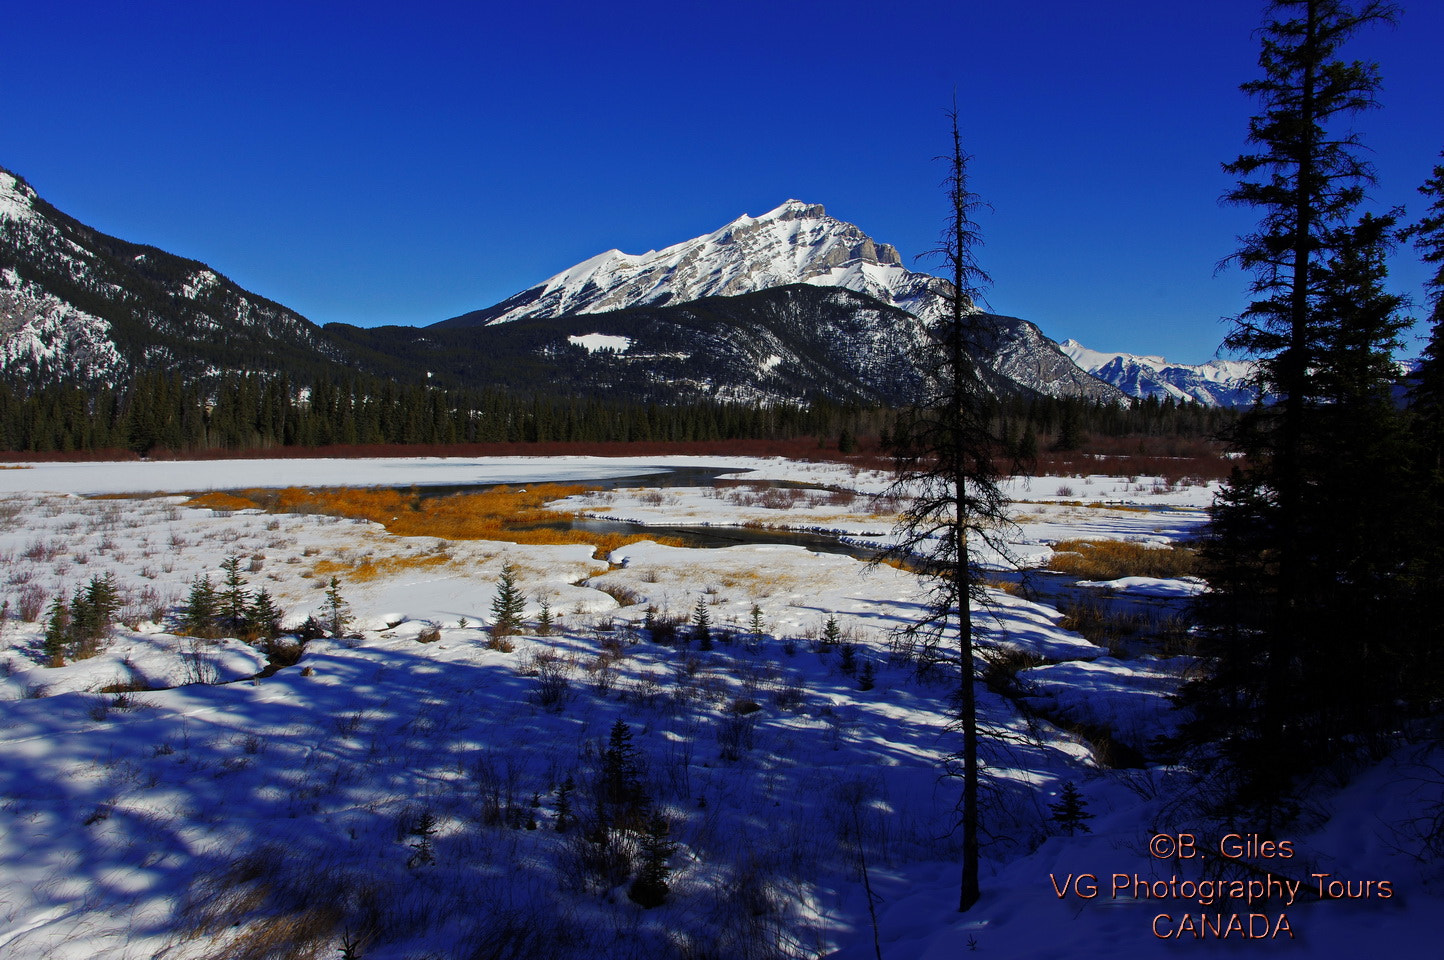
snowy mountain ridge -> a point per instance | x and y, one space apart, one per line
1221 383
775 308
82 307
795 243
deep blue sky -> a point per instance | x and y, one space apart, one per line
384 163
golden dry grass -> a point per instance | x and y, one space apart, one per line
1112 559
515 515
219 500
375 568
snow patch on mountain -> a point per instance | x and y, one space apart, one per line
1220 383
199 284
592 342
16 199
45 339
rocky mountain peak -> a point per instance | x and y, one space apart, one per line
796 210
795 243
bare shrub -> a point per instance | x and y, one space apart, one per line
42 550
625 596
1002 666
790 697
198 663
1098 623
30 604
553 683
348 723
524 933
603 675
735 733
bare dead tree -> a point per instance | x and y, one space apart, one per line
944 452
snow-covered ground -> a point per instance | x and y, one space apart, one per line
402 786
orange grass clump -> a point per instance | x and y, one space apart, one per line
1112 559
218 500
374 568
502 513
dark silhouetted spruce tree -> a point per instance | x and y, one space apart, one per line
1295 555
1426 436
1426 394
1071 811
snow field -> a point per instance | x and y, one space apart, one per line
151 822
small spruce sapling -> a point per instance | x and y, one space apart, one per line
545 622
622 793
422 854
57 632
831 634
702 624
198 616
565 817
650 889
235 599
84 624
508 605
1071 810
335 612
103 599
263 617
867 678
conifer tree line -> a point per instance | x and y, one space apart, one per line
1323 552
258 411
255 411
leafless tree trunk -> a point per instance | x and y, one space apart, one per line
944 451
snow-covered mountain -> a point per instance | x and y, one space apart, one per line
794 243
783 307
1219 383
82 307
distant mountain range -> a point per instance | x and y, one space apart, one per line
786 306
1218 383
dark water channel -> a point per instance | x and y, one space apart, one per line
1054 589
664 477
